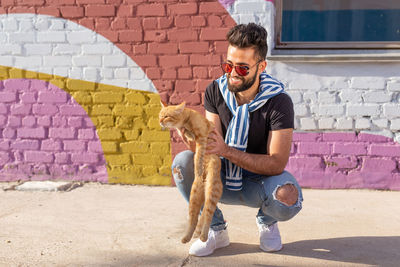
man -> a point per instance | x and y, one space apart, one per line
253 120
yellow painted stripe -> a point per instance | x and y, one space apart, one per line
136 150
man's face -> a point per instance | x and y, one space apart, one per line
241 57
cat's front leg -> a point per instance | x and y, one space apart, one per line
213 193
199 226
201 144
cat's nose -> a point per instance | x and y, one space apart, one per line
162 126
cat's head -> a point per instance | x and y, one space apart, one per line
171 116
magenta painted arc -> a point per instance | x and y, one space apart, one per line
46 134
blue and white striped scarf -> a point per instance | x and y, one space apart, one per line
238 129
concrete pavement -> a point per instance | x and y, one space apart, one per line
116 225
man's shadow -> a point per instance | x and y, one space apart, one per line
379 250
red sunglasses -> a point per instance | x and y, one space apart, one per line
241 70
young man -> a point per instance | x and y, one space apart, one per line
253 119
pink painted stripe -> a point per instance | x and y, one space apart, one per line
354 161
44 134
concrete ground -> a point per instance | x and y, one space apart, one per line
115 225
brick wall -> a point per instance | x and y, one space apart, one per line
116 58
345 160
105 53
46 133
53 127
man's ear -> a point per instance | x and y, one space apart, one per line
263 65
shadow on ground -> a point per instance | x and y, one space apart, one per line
381 250
369 250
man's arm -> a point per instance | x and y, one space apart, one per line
279 144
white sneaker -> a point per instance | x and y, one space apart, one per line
270 238
216 239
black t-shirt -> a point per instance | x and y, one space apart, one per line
277 113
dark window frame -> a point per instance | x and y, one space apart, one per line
323 45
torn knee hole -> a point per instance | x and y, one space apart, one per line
176 172
287 194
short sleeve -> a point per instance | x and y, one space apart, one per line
282 113
210 98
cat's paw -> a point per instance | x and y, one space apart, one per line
185 239
196 234
204 237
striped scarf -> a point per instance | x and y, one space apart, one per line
237 132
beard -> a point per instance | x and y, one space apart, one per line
246 84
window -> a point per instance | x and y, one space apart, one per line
339 24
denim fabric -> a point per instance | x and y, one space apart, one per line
258 192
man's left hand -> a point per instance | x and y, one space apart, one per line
216 144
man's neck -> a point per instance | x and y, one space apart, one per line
247 96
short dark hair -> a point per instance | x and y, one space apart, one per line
249 35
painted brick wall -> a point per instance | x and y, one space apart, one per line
53 127
346 114
116 58
345 160
107 53
46 133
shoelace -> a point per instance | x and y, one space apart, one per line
263 227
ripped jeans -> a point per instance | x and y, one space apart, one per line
258 192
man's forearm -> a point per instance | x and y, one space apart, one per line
257 163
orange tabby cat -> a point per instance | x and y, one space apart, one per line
207 185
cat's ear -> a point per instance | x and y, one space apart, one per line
181 106
163 104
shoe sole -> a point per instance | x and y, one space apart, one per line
203 255
274 250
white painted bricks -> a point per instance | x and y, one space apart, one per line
296 96
38 49
81 37
350 95
308 83
335 110
308 124
251 7
56 46
391 110
395 124
377 97
301 110
344 124
368 83
363 110
394 86
363 123
326 123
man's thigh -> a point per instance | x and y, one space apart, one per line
257 189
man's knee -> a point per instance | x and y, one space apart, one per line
287 194
183 158
177 173
182 161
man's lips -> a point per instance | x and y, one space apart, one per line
234 80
